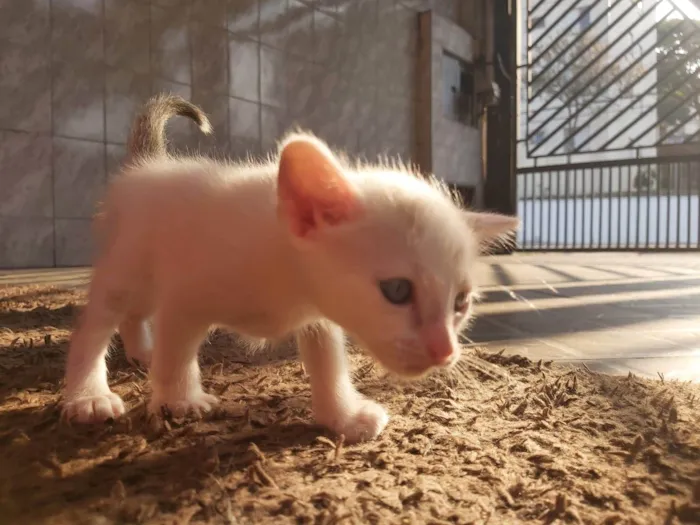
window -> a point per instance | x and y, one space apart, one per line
584 21
537 22
537 138
677 137
574 138
459 92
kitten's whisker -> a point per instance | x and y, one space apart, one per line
550 287
518 297
472 361
510 292
459 371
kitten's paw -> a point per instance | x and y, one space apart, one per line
195 404
363 421
93 409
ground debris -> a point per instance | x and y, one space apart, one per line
551 443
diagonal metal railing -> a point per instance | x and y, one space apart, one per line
549 28
601 55
641 114
608 153
601 92
588 44
602 64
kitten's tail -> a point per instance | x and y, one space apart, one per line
147 137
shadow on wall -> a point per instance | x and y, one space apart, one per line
343 70
76 72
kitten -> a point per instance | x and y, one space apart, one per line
305 244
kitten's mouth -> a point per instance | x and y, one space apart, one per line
411 370
415 371
401 368
405 368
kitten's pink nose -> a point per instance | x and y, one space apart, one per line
439 344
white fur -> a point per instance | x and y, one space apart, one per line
191 243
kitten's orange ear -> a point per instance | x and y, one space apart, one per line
491 228
313 191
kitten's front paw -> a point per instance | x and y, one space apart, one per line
93 409
364 420
196 404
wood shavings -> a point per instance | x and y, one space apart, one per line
551 441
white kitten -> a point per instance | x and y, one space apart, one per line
305 244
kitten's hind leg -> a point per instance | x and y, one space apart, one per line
136 336
174 373
336 403
87 397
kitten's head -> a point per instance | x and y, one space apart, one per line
388 256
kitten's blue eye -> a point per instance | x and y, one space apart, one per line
397 291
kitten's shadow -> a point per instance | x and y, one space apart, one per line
40 316
47 463
30 366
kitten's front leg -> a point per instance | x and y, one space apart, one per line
87 397
174 372
336 403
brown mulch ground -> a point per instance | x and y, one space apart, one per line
543 444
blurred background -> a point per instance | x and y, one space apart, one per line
366 75
580 116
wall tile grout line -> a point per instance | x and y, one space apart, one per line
342 74
259 75
104 87
190 45
51 118
104 83
228 80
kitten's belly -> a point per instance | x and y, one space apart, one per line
252 310
236 276
261 325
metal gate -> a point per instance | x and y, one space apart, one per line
608 132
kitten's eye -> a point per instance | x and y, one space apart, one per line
397 291
461 301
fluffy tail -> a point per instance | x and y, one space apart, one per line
147 137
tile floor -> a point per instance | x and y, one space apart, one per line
615 312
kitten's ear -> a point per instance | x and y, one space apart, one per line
490 228
313 192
